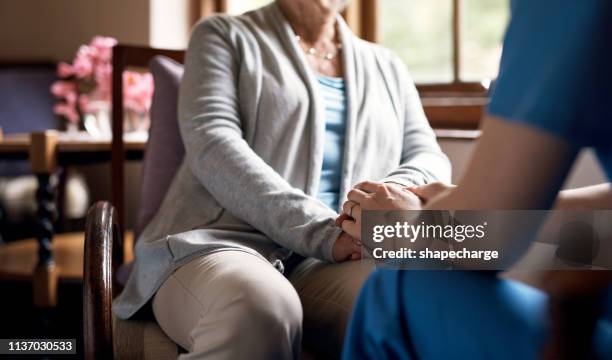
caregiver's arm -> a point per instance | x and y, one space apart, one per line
514 167
590 197
422 159
225 164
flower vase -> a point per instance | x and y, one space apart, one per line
72 128
135 122
97 121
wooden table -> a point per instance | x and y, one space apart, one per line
66 148
47 151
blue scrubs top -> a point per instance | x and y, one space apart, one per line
334 95
555 75
556 72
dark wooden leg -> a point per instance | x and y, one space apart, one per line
43 152
1 223
45 196
45 275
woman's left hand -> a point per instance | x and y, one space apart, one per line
370 195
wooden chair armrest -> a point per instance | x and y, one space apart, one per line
103 254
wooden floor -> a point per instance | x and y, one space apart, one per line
18 258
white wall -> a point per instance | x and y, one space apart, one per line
53 29
170 23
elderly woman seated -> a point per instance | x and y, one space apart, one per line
281 110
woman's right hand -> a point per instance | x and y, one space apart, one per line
346 248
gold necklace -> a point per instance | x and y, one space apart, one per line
312 51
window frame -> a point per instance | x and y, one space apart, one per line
205 8
454 105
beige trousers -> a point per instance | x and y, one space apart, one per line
234 305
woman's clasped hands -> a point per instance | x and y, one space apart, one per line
370 195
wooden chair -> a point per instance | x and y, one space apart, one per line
105 336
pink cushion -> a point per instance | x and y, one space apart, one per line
165 150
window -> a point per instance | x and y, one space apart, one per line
235 7
484 26
420 32
429 34
452 49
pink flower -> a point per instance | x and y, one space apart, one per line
67 111
103 77
92 65
71 98
138 91
104 47
103 41
61 89
64 70
84 62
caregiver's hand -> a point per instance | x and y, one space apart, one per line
346 248
429 191
370 195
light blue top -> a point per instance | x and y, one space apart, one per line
334 94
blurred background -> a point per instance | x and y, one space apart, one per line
451 47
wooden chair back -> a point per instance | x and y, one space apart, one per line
104 230
124 57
